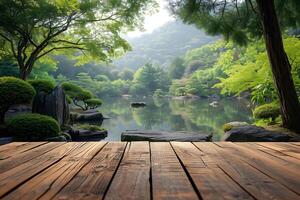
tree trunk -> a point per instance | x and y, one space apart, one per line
23 74
281 68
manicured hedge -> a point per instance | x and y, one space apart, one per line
33 127
14 91
42 85
267 111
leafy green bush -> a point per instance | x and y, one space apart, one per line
77 94
33 127
267 111
93 103
42 85
159 93
13 91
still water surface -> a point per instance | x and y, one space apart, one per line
172 115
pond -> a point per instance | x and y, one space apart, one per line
162 114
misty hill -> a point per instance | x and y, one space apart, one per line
162 45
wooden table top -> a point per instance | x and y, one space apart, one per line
155 170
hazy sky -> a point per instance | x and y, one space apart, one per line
154 21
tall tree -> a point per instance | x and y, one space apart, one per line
84 29
241 21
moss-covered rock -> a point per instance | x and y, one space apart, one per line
42 85
267 111
231 125
89 127
33 127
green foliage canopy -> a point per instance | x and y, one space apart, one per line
84 29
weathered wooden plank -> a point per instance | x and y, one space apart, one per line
259 185
17 148
280 148
93 180
280 170
23 157
212 183
18 175
169 180
132 178
46 184
11 145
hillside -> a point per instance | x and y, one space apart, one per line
162 45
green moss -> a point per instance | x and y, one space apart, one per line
89 127
267 111
42 85
227 127
33 127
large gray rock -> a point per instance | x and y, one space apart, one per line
53 104
95 116
162 136
256 134
87 135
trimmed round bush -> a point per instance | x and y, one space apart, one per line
33 127
14 91
267 111
42 85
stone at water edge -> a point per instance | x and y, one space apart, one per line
85 135
138 104
256 134
96 116
164 136
235 124
53 104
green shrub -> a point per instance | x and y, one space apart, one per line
267 111
158 93
14 91
33 127
93 103
42 85
76 93
80 97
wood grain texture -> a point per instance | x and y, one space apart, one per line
283 149
18 175
156 170
211 182
256 183
16 148
281 171
46 184
169 180
93 180
132 180
23 157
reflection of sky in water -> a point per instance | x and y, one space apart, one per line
172 115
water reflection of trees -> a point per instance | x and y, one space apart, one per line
178 115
